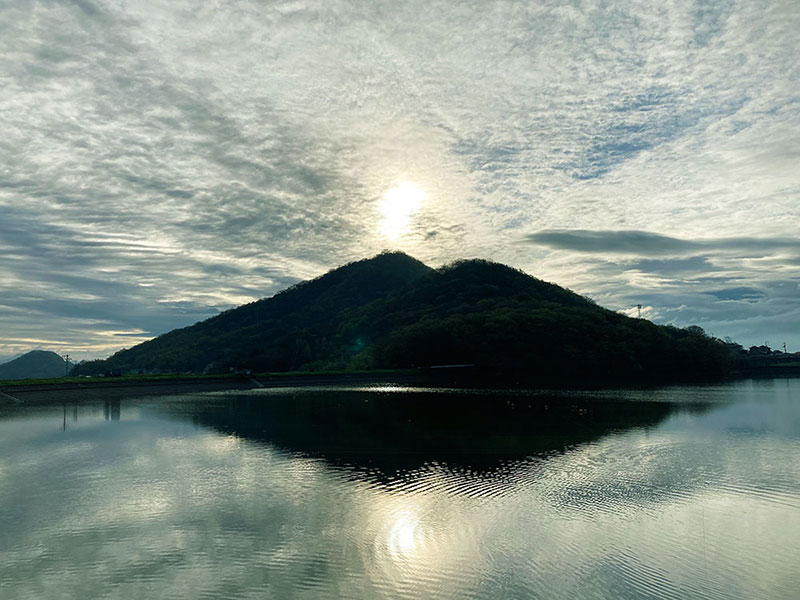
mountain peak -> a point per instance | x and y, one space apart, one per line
393 311
361 281
388 259
36 364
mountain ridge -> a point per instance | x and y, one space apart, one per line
36 364
392 311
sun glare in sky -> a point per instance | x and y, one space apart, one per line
398 205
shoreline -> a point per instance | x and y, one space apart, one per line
24 393
31 394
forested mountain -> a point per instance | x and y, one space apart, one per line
295 327
393 311
38 364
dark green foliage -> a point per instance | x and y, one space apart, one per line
90 367
393 311
294 329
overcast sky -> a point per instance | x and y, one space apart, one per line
164 160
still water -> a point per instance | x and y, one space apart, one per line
686 492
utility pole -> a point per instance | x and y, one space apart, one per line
66 366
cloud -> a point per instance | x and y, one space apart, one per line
740 287
674 266
621 242
174 159
643 243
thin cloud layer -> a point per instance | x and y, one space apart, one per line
644 243
161 161
733 286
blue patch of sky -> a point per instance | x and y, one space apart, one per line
709 20
737 294
738 126
630 133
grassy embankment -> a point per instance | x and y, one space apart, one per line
190 377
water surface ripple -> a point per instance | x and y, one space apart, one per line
687 492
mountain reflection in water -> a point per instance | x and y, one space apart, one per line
689 492
389 430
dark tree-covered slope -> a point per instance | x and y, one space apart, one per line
38 364
287 331
393 311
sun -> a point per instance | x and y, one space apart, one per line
397 207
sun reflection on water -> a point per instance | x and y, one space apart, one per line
404 535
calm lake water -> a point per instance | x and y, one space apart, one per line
687 492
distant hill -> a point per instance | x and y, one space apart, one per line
38 364
392 311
